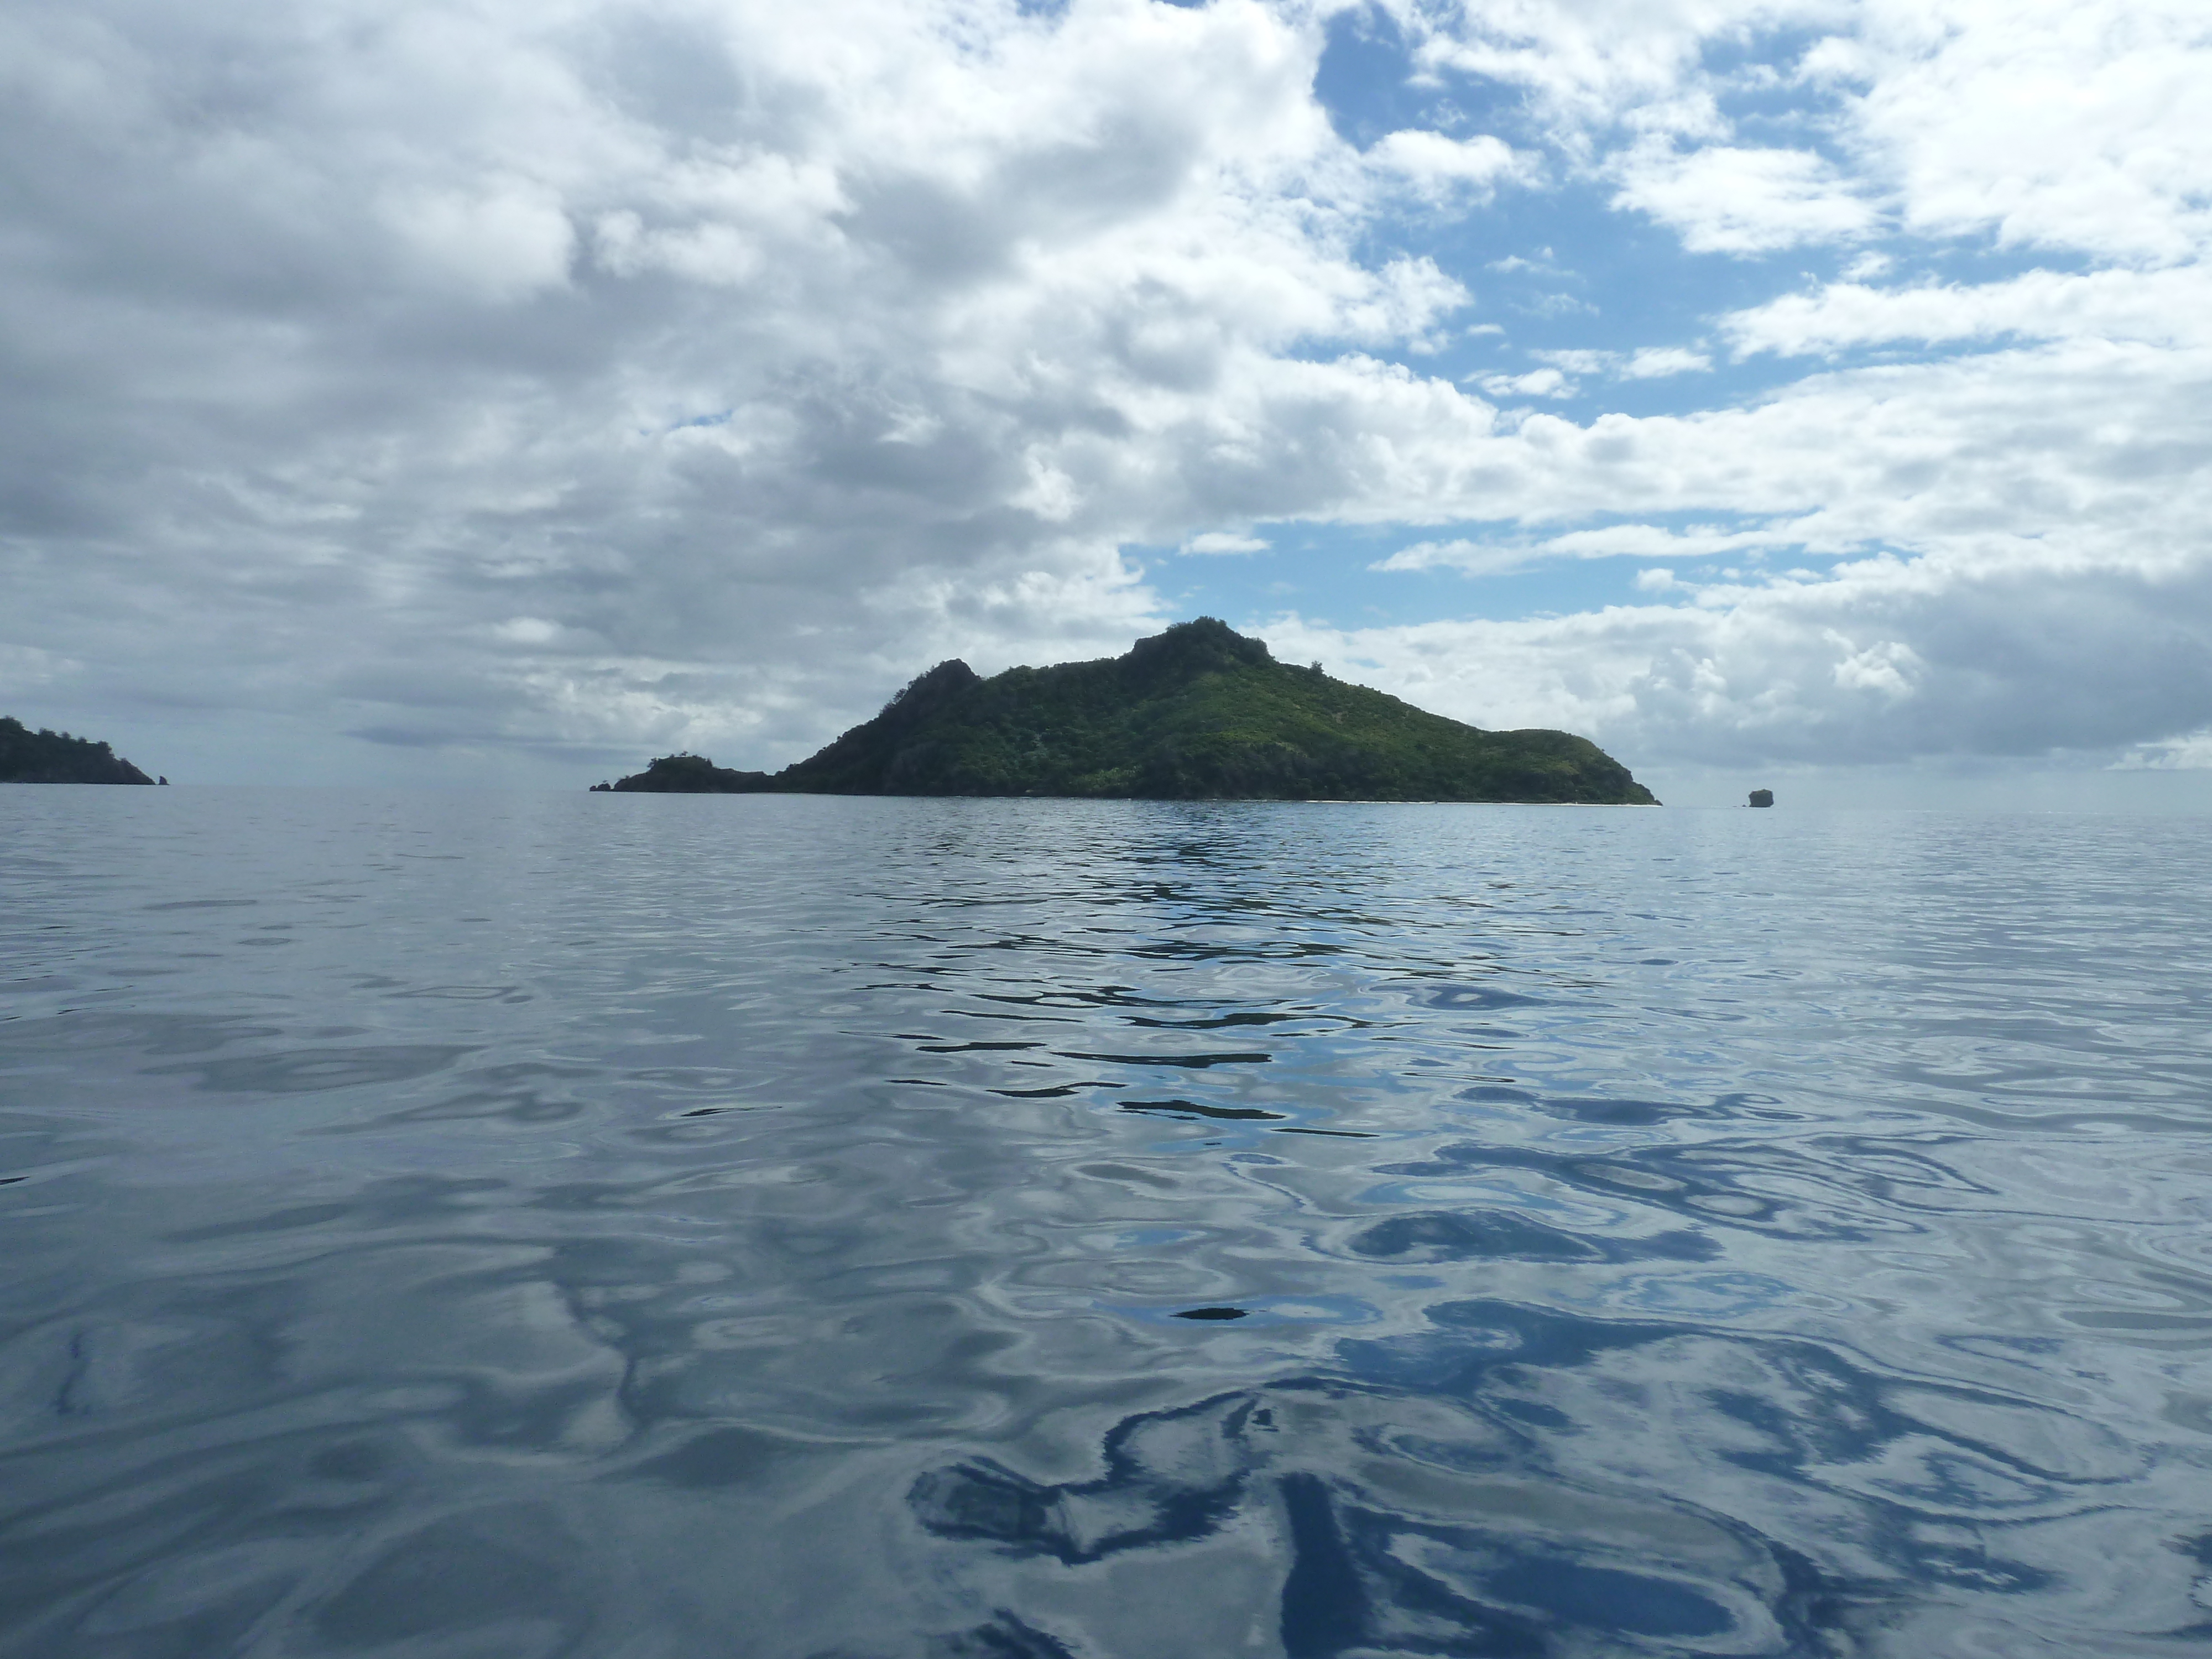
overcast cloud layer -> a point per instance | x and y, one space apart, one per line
426 391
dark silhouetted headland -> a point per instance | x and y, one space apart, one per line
42 756
688 775
1199 712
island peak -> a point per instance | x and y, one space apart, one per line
1198 712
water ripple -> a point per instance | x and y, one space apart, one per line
857 1230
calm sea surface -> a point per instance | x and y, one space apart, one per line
490 1227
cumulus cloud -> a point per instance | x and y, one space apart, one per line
1726 199
2010 582
1587 65
2015 493
1646 363
1536 383
1436 164
1630 540
1221 541
1657 362
1883 658
672 331
2049 123
2170 307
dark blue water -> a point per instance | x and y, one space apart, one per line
648 1227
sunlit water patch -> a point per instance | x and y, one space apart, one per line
641 1226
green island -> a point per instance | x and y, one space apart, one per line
1198 713
44 756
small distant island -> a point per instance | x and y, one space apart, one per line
1198 713
44 756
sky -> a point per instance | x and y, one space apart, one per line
1811 395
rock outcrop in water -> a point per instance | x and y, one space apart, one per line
1199 712
1762 798
44 756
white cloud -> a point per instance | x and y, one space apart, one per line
2009 523
2190 753
1723 199
1632 540
1588 67
504 242
610 374
1436 164
2170 307
1655 541
2054 123
1536 383
1580 362
1882 660
1218 541
1646 364
1888 666
1483 558
1656 363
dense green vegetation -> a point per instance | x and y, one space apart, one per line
1197 713
44 756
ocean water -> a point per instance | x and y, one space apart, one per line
645 1227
